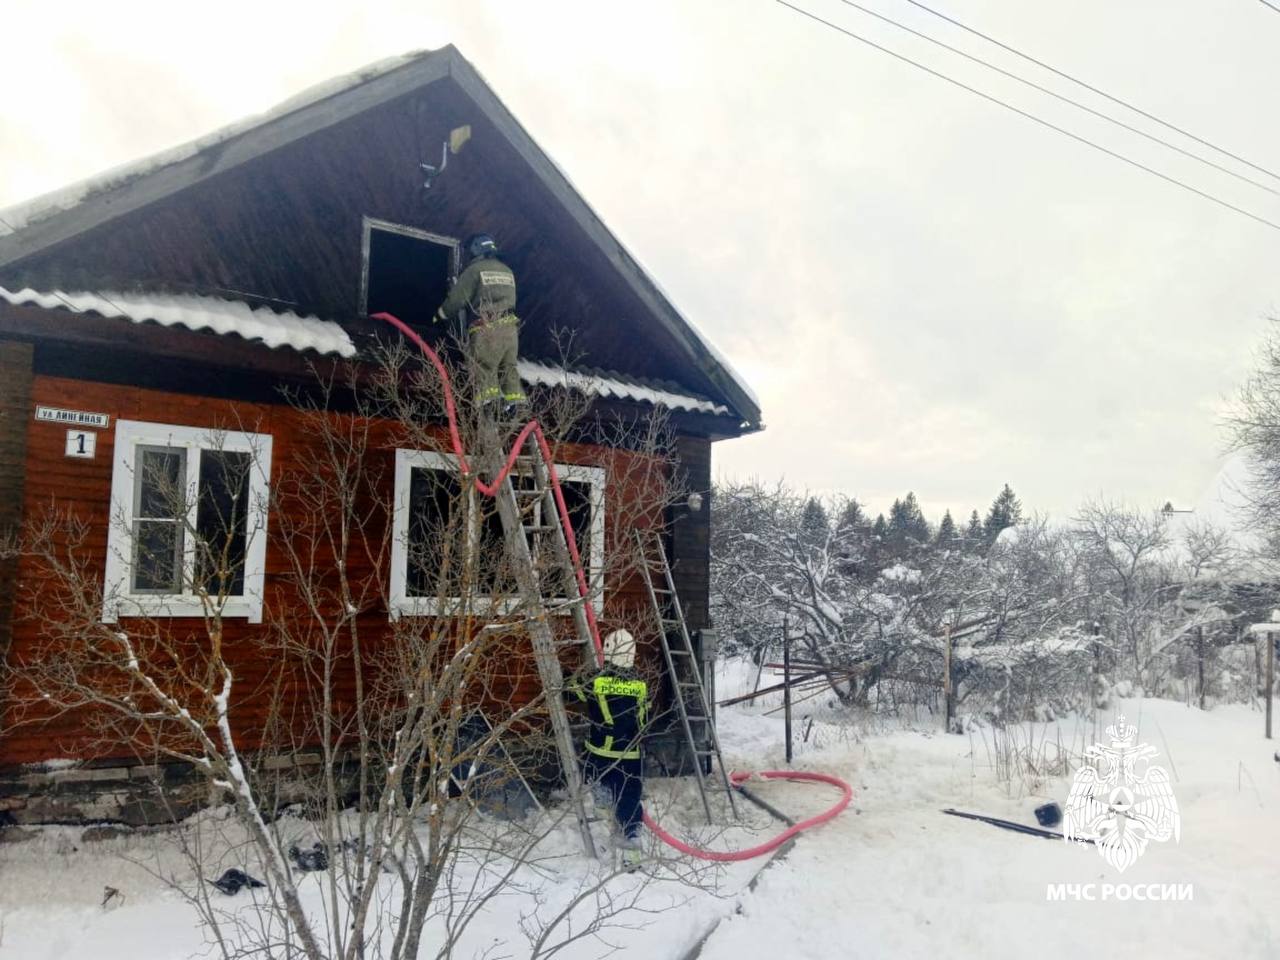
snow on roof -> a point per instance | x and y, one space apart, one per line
603 385
287 329
274 329
716 354
20 215
1223 504
1010 535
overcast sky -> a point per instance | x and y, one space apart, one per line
928 292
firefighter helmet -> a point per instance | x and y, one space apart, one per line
481 245
620 649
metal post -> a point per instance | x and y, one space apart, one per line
786 686
947 691
1200 663
1271 677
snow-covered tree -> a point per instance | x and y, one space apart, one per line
947 536
907 530
1005 511
975 537
1045 618
815 525
1255 428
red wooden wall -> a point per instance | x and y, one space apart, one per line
84 486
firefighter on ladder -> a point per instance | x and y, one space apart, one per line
616 700
486 292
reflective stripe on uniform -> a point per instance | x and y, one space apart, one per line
605 687
609 753
602 699
506 320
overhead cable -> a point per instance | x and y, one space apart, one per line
1065 99
1032 117
1093 89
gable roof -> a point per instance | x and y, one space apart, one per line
40 224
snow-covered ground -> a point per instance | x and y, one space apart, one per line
890 878
53 886
896 878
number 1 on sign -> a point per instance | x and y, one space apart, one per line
81 444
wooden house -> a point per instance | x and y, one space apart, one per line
141 309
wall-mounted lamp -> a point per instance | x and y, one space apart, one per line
457 139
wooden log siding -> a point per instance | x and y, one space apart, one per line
691 533
289 226
15 405
84 486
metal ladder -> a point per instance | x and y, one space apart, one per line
539 506
692 704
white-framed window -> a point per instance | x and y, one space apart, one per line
188 531
428 487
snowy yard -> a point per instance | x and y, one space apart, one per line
898 879
891 877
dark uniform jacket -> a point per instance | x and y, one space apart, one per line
616 706
487 288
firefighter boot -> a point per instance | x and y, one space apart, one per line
632 855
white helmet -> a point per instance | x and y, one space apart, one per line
620 650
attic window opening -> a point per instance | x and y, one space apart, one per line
406 272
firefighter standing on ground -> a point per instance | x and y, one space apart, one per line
486 291
616 700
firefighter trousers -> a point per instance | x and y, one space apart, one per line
494 349
623 781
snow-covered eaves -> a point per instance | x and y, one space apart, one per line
623 388
226 317
274 329
19 216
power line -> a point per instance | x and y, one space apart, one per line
1032 117
1088 86
1268 3
1065 99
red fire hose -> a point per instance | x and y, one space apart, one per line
738 778
491 489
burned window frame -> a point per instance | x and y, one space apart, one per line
193 509
370 225
402 603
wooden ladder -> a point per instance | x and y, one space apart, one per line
525 513
690 695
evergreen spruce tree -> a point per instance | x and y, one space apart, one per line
853 539
974 537
1006 510
907 528
814 523
946 538
880 530
851 517
877 549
